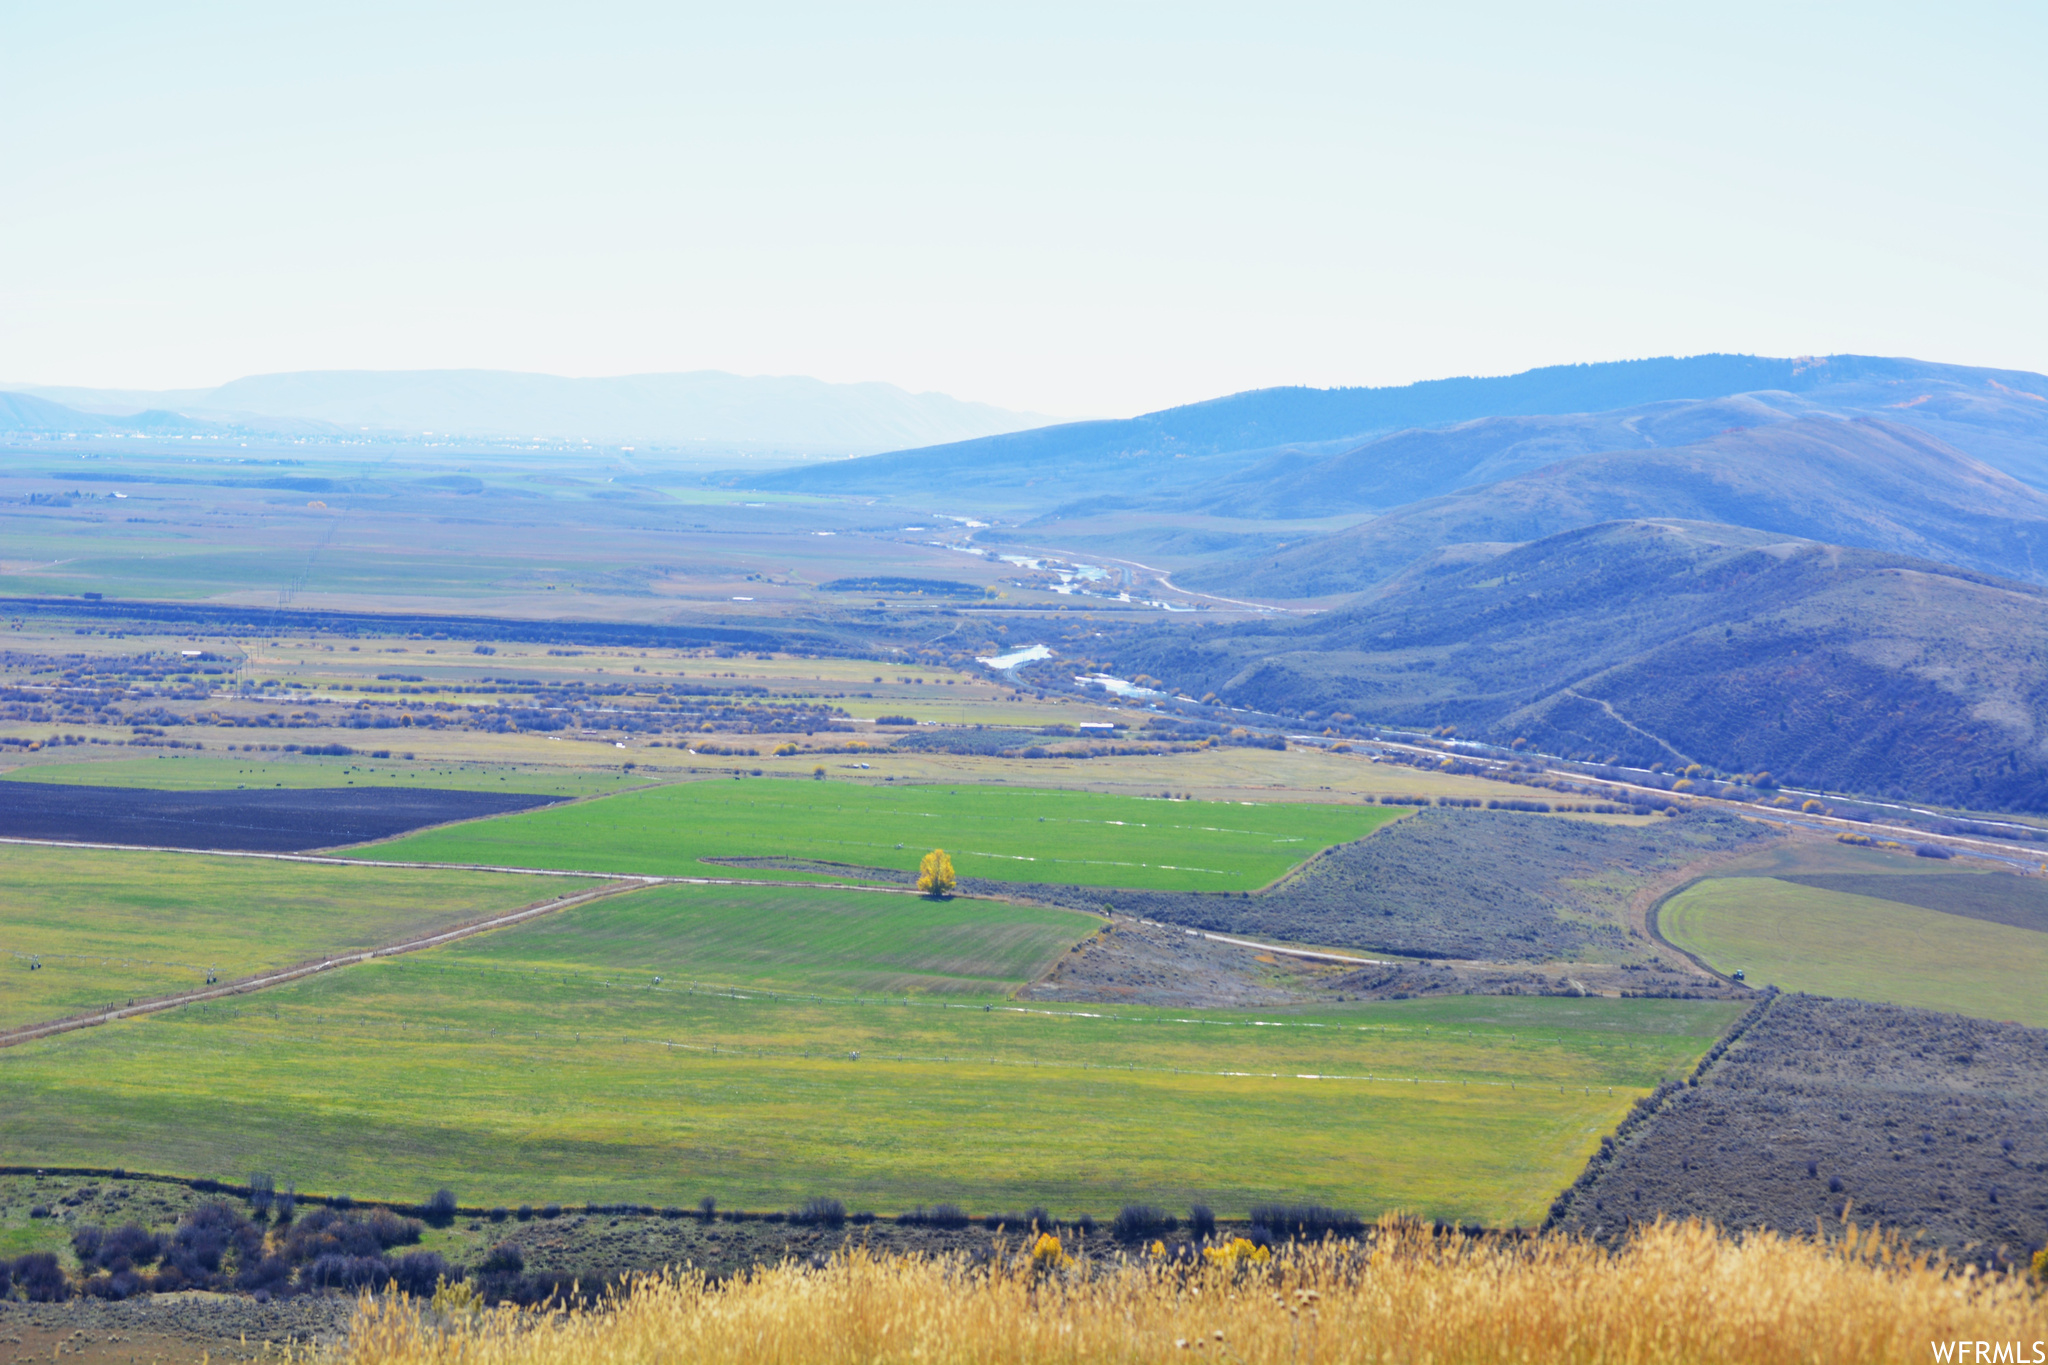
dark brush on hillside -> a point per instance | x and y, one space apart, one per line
214 1247
439 1210
1826 1111
819 1211
39 1278
1496 886
1305 1222
1137 1222
949 1216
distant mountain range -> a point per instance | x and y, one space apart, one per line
1295 452
706 408
25 414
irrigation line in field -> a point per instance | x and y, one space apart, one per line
105 959
331 860
854 1057
766 1053
738 1050
323 858
563 976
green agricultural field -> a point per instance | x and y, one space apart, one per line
1997 897
1833 943
784 939
544 1062
1011 834
109 927
90 553
210 772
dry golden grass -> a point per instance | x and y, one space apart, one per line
1680 1293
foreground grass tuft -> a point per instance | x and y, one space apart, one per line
1680 1292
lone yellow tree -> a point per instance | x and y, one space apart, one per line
935 874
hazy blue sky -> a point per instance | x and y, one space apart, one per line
1096 209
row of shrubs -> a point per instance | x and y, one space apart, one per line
338 1219
1147 1222
1133 1223
218 1247
215 1247
1531 807
1919 850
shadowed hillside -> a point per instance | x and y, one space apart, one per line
1663 642
1864 483
1428 462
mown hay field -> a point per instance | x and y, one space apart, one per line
545 1062
1828 942
110 926
1678 1293
1011 834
